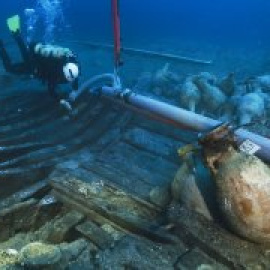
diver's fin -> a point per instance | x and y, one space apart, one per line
14 23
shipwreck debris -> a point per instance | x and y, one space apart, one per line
39 255
190 95
104 203
242 185
185 190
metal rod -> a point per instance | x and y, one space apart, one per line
116 33
179 117
147 53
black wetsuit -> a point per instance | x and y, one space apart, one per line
48 69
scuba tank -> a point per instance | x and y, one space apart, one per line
52 51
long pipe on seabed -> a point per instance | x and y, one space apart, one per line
170 114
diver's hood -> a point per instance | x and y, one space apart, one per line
71 71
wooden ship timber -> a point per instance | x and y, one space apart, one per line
88 179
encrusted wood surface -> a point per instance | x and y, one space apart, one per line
95 234
103 202
129 156
216 242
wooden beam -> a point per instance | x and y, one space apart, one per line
95 234
216 242
105 204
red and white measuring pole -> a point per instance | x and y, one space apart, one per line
117 37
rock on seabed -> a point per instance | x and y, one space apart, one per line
38 255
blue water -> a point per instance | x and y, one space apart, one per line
226 20
194 28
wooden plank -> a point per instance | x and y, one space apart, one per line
144 166
36 191
106 120
138 253
18 217
62 226
116 175
153 143
16 208
217 243
95 234
89 177
100 201
16 179
115 133
195 259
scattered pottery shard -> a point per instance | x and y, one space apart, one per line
240 89
160 195
228 110
250 106
207 77
212 96
264 82
185 190
164 75
243 189
164 81
227 85
189 93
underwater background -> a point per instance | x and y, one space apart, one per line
228 23
241 19
220 21
232 34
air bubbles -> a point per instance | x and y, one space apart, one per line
31 19
47 15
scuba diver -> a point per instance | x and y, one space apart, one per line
53 65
